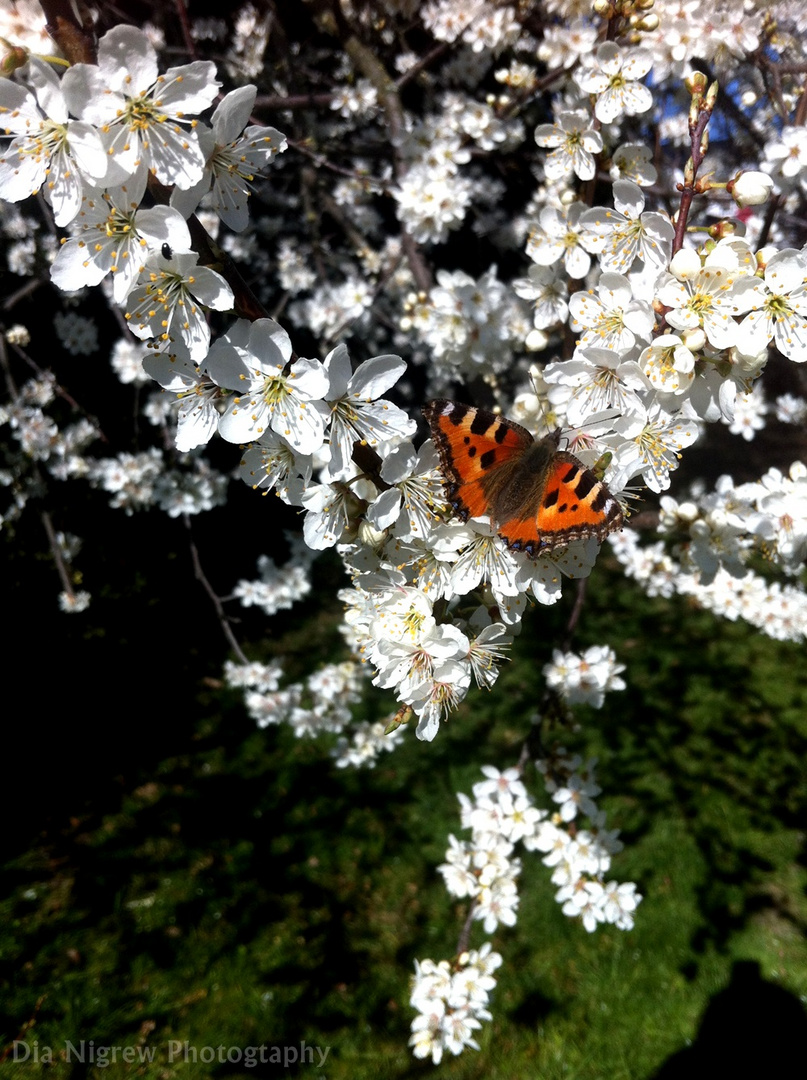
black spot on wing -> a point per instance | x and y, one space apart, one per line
488 459
480 424
586 483
456 413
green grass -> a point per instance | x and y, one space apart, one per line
243 892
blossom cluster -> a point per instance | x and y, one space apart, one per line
451 1004
638 395
485 870
777 610
503 814
324 703
584 679
319 704
278 587
726 526
712 541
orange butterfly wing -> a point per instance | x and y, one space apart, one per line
537 497
475 448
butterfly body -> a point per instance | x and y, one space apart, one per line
537 497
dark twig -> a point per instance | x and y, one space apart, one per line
700 114
74 38
218 607
371 67
577 611
464 940
184 22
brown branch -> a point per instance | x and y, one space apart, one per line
425 61
801 109
184 22
577 611
464 940
689 188
24 291
62 567
8 1050
787 69
772 73
322 162
58 389
218 607
73 36
56 552
365 61
279 102
767 223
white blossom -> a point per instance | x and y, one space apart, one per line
573 142
612 76
143 114
234 155
251 360
49 151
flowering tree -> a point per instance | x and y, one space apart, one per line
523 212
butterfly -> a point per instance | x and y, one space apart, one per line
537 497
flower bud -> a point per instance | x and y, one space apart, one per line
369 536
750 365
726 228
696 83
15 58
18 335
694 339
685 264
750 188
536 341
764 255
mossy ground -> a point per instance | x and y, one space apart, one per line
227 887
